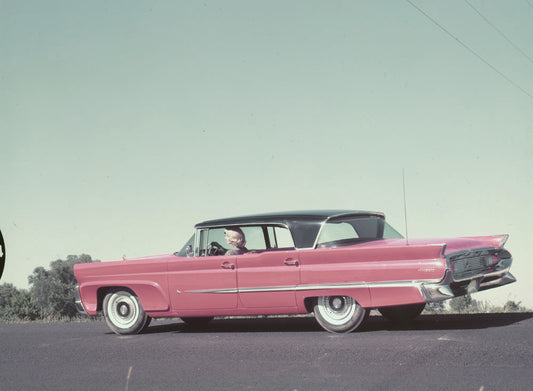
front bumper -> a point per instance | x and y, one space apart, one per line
448 288
77 301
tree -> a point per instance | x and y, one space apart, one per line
24 307
16 304
52 291
7 295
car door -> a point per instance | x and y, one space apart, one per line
201 283
268 279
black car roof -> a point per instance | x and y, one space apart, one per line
304 225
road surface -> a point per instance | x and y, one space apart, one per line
445 352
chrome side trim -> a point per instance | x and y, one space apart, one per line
230 290
362 284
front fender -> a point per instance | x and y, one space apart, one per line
151 294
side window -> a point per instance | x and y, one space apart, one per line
254 235
391 233
217 235
255 238
280 237
208 236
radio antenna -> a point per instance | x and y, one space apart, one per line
405 208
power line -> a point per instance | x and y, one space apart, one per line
470 50
499 31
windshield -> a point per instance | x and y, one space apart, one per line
187 250
352 230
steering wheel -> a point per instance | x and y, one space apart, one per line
215 248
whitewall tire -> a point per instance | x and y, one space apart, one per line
339 314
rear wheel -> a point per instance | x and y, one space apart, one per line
402 313
339 314
124 313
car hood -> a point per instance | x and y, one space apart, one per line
96 268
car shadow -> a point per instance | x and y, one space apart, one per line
448 322
308 324
240 325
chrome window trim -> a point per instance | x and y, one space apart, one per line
322 224
254 224
259 224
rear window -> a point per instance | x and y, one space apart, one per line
349 231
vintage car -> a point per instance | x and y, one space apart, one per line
337 264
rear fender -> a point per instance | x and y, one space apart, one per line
496 241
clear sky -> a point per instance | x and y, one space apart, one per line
124 123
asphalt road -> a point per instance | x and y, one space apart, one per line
452 352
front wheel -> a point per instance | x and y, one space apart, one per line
124 313
339 314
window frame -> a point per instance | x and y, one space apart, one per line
202 237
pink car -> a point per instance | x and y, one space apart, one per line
337 264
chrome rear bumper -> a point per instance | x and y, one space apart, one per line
447 288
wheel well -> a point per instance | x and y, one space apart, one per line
102 293
309 303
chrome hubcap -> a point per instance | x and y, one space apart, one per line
123 310
337 310
337 303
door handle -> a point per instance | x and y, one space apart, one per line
291 262
227 265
